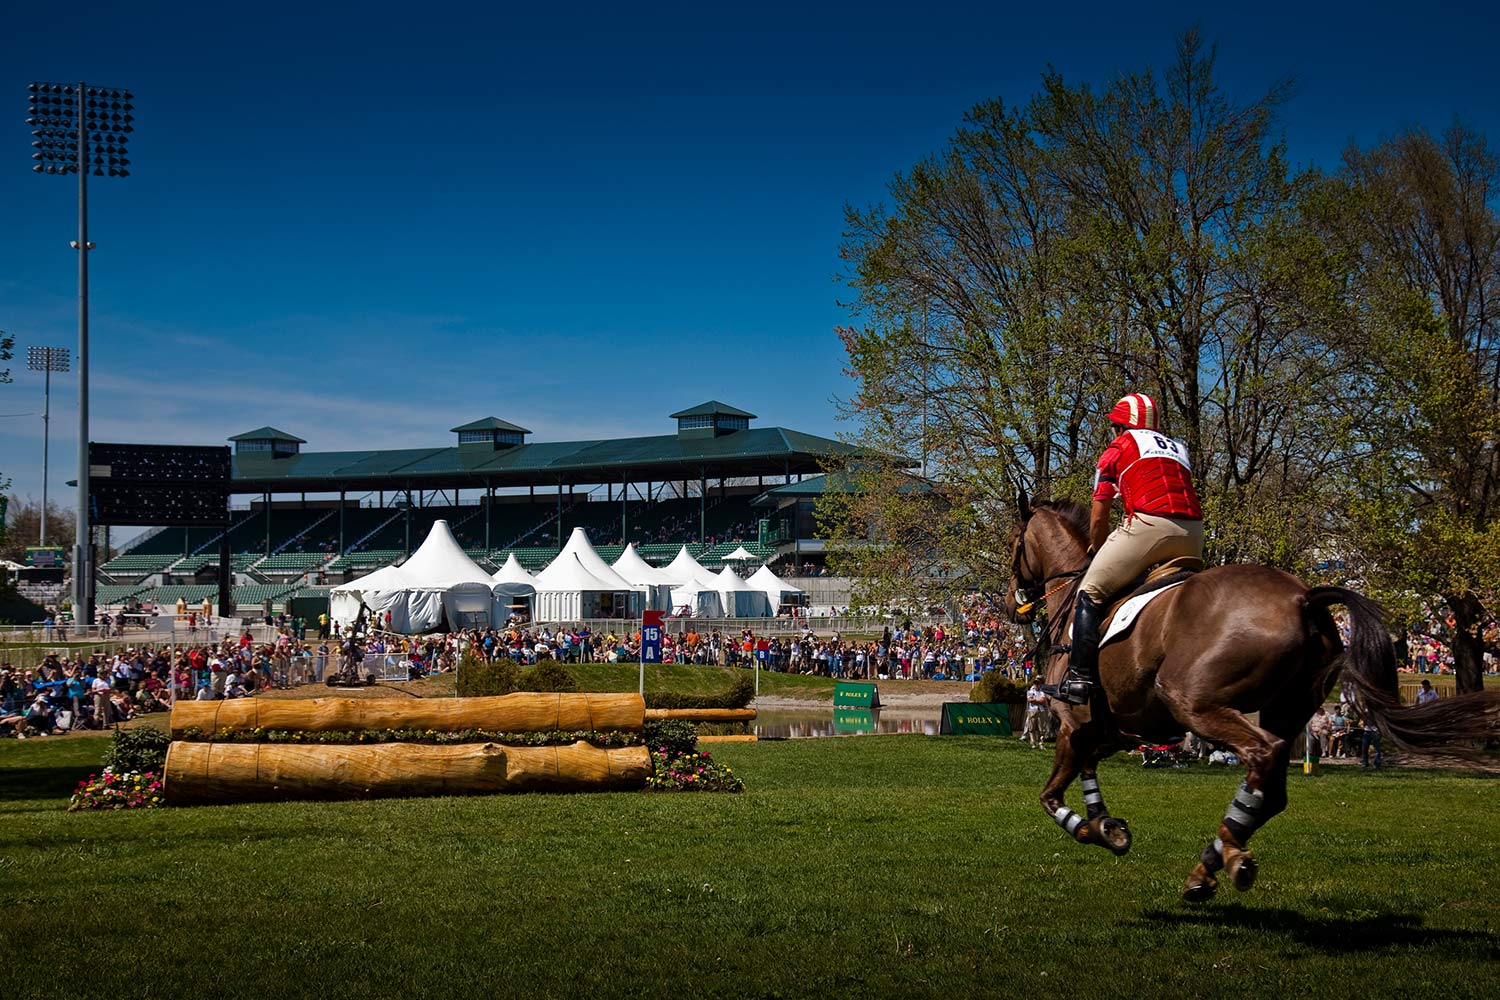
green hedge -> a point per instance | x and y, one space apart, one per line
738 696
994 687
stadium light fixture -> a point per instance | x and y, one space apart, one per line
67 121
49 360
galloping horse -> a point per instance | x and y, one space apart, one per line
1203 657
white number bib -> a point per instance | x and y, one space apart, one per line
1154 445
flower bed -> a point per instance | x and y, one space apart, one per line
690 772
107 790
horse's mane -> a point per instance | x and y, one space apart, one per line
1074 515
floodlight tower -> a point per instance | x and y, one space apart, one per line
65 118
49 360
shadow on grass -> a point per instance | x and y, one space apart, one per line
1333 935
18 783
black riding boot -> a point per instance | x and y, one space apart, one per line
1077 685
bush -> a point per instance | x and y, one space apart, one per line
547 675
738 695
994 687
673 736
477 678
137 750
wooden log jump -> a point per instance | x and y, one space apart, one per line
527 712
205 773
702 714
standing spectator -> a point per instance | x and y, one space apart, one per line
1427 694
1320 730
1370 739
1036 715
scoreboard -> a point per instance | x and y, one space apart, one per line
159 484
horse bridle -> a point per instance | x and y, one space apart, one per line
1069 578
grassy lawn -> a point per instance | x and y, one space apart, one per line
869 866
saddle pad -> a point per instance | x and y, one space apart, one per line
1125 617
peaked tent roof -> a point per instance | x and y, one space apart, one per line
513 572
742 554
385 578
441 562
728 580
633 569
764 579
686 570
578 545
710 408
566 574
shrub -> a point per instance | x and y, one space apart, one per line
547 675
137 750
738 695
994 687
477 678
672 736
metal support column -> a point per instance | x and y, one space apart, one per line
341 522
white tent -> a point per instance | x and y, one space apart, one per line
742 554
439 581
578 545
695 589
639 573
740 599
567 590
777 590
512 589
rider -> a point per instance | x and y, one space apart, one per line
1149 472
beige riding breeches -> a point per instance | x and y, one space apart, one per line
1140 541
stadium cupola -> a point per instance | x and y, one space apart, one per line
490 434
267 441
711 419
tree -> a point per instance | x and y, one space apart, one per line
1061 253
1415 219
23 527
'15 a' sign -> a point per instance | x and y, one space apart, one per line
651 637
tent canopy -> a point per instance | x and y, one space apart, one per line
773 585
742 554
513 572
633 569
578 547
685 570
567 574
442 562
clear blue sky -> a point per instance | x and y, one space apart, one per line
368 225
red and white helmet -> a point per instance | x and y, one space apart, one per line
1137 411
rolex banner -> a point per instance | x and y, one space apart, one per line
970 718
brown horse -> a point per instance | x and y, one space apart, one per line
1204 657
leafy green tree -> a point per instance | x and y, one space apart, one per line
1415 220
1147 237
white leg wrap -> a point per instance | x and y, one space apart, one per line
1068 819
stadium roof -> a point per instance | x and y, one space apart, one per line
836 482
710 408
761 451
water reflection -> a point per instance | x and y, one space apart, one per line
802 723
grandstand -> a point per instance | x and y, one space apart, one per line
314 519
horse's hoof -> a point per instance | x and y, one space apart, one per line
1243 874
1200 889
1115 834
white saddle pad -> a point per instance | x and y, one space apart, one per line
1130 611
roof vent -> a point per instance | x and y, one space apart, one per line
267 441
711 419
490 434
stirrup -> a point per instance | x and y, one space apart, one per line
1072 689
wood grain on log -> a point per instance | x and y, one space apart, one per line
202 773
702 714
527 712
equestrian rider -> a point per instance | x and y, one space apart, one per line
1149 472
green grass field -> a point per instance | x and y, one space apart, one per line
872 866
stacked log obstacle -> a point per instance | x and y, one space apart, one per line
201 773
509 713
210 772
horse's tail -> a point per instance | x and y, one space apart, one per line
1437 728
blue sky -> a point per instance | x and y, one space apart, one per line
368 224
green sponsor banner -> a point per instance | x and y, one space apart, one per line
853 720
848 694
975 718
44 556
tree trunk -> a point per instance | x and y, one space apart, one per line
1468 645
511 713
200 773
